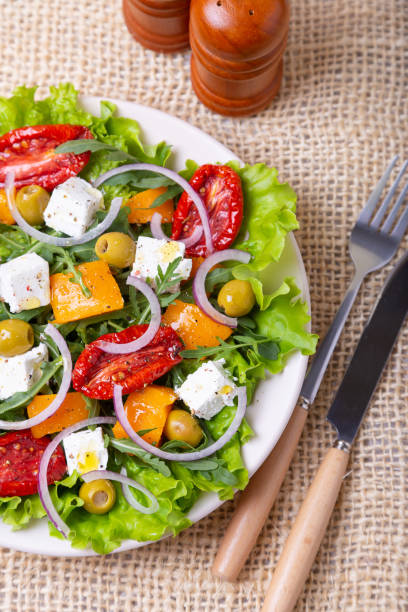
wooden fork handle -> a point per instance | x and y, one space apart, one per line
256 501
306 534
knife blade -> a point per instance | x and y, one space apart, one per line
346 414
376 342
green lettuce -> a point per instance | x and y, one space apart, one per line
269 214
284 322
105 532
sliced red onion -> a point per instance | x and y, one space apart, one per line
156 228
200 295
51 331
126 483
171 174
63 242
151 331
42 474
193 456
157 231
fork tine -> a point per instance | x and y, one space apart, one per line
379 215
372 201
399 229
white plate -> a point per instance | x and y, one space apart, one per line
275 397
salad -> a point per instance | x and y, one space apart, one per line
134 322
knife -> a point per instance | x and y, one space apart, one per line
346 414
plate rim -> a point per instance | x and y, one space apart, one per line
27 546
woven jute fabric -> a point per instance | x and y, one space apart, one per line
340 116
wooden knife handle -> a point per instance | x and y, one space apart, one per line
306 534
256 501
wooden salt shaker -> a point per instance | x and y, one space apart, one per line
160 25
237 48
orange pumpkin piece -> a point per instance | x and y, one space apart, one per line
5 215
70 304
197 261
193 326
72 410
140 211
147 408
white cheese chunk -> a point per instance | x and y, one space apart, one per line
207 390
72 207
25 282
152 253
21 372
85 451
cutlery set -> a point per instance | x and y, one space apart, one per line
374 240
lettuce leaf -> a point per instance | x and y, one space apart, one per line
269 214
105 532
61 106
284 322
19 511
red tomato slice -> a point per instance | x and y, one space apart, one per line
96 372
221 191
20 456
30 153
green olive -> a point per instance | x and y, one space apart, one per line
31 202
181 425
99 496
236 298
116 248
16 337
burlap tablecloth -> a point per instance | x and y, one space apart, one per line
340 116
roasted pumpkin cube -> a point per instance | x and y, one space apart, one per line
70 304
140 211
147 408
193 326
5 215
72 410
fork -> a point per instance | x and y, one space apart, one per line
373 242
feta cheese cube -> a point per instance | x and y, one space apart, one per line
25 282
85 451
21 372
207 390
72 207
152 253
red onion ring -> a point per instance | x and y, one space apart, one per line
126 483
193 456
42 473
51 331
151 331
199 293
157 232
202 211
46 238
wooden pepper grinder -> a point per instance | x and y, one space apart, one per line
160 25
237 48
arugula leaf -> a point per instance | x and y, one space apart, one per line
143 432
92 405
128 446
171 192
81 145
200 464
225 347
217 276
